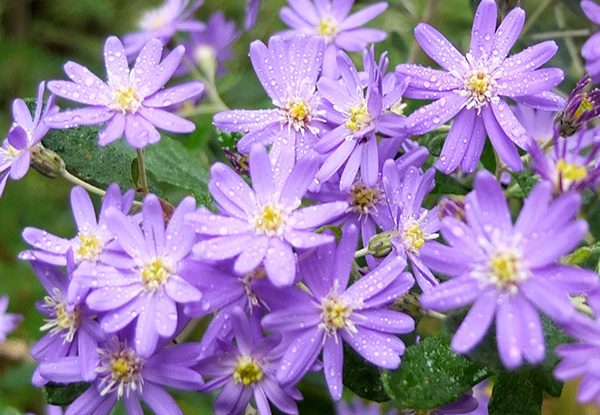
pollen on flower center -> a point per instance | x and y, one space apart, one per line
328 28
572 172
479 86
359 117
65 321
270 220
335 313
90 247
122 368
413 235
363 199
297 113
155 274
126 99
506 269
247 371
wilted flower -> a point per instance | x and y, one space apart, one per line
131 101
473 87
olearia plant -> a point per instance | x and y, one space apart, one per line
361 245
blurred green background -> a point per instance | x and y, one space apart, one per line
38 36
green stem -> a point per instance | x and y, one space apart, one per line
535 15
209 85
362 252
89 187
562 34
142 167
571 47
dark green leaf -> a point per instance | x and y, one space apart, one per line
446 185
574 6
62 395
135 172
363 378
228 140
542 377
515 394
170 162
434 142
431 375
488 157
525 179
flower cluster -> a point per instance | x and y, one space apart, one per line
312 250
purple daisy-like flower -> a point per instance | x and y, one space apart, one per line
508 271
473 88
72 327
591 48
142 282
8 321
211 48
132 102
25 133
288 71
93 239
163 22
248 370
360 113
331 312
121 373
412 227
330 20
570 165
581 359
261 225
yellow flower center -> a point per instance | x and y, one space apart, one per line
399 107
155 274
479 86
359 117
571 172
363 199
414 237
11 152
328 28
123 369
247 371
270 220
506 270
90 247
335 314
126 100
65 322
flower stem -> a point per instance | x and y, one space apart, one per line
562 34
89 187
209 85
142 167
427 15
535 15
571 47
362 252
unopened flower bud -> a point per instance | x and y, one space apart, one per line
579 109
381 245
506 6
47 162
452 207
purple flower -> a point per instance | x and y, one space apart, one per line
131 101
72 326
142 282
411 227
248 370
288 71
465 405
329 19
591 48
252 10
162 23
121 373
508 271
570 165
359 407
93 239
359 114
581 360
473 87
8 321
539 124
25 134
331 312
580 108
263 224
211 48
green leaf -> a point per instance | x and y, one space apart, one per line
97 165
446 185
434 143
488 157
62 395
515 394
525 179
170 162
363 378
542 377
228 140
431 375
577 257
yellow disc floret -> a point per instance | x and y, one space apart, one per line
90 247
247 371
122 369
126 99
572 172
155 274
363 199
359 117
328 28
506 270
270 220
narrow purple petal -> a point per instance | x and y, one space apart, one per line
174 95
109 298
159 400
148 58
91 398
502 143
509 335
484 24
223 247
129 235
508 32
457 142
433 115
20 166
80 116
139 132
280 263
374 347
451 294
113 131
299 356
117 68
333 362
365 15
252 256
83 209
167 121
146 336
475 324
440 49
312 217
164 71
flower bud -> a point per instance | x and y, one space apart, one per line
381 245
580 108
47 162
